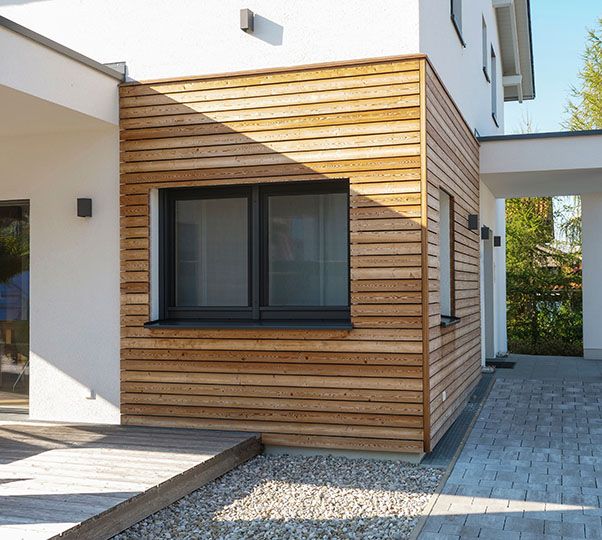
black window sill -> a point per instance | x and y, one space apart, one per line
446 322
458 31
290 325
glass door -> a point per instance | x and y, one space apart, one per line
14 306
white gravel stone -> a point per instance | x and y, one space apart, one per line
319 498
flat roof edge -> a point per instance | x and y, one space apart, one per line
61 49
545 135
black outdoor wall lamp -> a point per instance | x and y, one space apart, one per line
473 222
485 232
84 207
497 241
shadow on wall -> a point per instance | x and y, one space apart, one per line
267 30
239 131
19 2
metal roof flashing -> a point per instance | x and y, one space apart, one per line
544 135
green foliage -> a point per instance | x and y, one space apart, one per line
543 282
585 109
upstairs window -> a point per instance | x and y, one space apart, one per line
494 87
456 17
446 259
485 49
258 254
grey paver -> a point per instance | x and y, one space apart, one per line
532 467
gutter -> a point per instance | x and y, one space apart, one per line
116 70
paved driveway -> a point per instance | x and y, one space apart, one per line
532 466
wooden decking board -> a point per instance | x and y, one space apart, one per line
83 481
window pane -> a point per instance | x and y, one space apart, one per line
212 252
445 253
308 250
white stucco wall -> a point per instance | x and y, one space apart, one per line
165 38
459 67
74 294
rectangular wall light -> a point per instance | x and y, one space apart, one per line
246 20
84 207
473 222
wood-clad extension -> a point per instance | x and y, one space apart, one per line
365 123
452 164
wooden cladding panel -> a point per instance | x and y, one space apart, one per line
452 164
361 123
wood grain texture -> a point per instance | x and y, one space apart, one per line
355 122
364 123
89 481
452 164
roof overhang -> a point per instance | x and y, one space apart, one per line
516 48
45 86
542 164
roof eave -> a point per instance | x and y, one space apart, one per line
116 70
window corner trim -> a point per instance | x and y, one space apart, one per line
458 30
486 73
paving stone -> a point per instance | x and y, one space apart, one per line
522 524
496 534
533 466
573 530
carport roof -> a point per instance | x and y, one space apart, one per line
542 164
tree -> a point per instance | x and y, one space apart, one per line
585 107
543 281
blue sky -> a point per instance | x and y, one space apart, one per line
559 32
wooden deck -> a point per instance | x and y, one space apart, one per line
91 481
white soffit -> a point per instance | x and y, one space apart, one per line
38 67
514 28
542 164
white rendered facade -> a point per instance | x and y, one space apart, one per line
161 38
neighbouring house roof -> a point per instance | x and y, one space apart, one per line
116 70
516 48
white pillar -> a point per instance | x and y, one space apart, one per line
591 207
501 333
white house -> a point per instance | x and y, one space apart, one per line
61 142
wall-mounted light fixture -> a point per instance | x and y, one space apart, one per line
497 241
485 231
84 207
247 18
473 222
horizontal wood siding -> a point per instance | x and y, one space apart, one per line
452 162
356 389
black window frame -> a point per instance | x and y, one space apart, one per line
455 13
257 312
494 86
485 51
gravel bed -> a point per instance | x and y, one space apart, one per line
297 497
